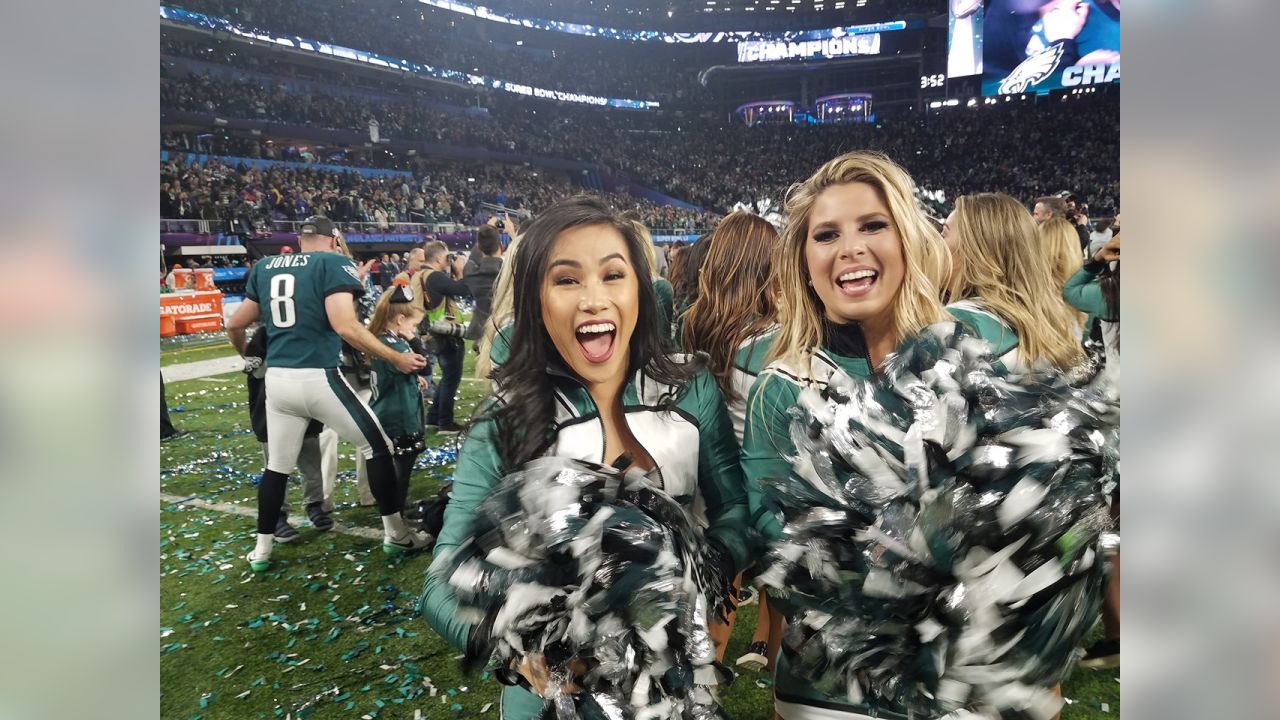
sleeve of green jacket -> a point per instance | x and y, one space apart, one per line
720 475
766 446
477 472
1083 292
766 453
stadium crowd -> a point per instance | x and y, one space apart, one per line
243 199
959 151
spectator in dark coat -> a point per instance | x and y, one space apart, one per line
480 274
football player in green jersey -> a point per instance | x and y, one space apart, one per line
305 302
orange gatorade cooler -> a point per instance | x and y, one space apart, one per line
204 279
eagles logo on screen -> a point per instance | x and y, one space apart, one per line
1033 70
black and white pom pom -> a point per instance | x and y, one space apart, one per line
941 531
605 576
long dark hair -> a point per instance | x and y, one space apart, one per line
684 273
525 414
736 296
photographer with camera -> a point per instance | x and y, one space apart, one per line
441 286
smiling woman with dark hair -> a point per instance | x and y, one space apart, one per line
588 379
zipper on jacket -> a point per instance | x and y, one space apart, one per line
604 437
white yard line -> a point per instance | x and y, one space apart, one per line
202 368
223 366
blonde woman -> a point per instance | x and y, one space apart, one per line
1003 286
858 271
1059 241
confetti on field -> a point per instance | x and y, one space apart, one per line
320 632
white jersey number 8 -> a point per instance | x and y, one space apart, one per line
282 311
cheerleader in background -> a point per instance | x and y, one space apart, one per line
662 290
1002 285
733 321
858 271
1059 240
1095 289
591 381
685 271
397 399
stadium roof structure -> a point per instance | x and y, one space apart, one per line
710 15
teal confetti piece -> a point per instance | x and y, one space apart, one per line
456 708
206 699
355 651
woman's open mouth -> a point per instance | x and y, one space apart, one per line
596 339
857 283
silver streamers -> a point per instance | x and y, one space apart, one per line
603 576
943 531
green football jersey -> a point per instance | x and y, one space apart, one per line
291 290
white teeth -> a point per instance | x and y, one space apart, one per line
597 328
857 275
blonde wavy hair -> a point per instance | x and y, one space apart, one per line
926 262
1060 242
1058 239
1001 262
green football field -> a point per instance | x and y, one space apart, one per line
331 630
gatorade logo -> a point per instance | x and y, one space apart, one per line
203 308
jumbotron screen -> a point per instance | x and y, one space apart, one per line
1020 46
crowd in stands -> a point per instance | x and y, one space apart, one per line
717 163
397 28
244 200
